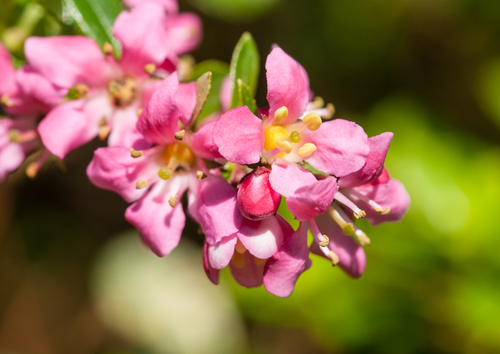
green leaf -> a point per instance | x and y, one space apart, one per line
311 169
203 87
245 65
94 18
219 71
246 98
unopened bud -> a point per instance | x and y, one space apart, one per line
256 198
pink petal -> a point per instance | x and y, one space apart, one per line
8 84
342 147
158 121
261 238
170 6
186 100
287 85
379 145
218 213
219 255
352 256
239 136
67 60
12 155
310 201
286 178
212 273
202 142
391 194
226 93
114 169
159 224
142 34
184 32
148 89
124 132
247 270
284 268
72 124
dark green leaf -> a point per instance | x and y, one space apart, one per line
219 71
245 65
246 98
94 18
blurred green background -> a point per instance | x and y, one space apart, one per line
74 278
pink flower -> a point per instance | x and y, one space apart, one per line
111 92
155 179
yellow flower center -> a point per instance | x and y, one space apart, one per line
178 156
122 91
272 135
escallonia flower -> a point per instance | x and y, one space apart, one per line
105 95
25 96
155 179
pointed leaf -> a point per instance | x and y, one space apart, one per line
246 98
203 86
245 65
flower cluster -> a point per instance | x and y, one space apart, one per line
236 165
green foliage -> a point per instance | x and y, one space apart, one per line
245 97
245 65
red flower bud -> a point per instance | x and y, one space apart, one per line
256 199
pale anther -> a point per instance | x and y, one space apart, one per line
142 183
149 68
81 89
104 132
4 100
331 110
180 135
173 200
334 258
312 120
383 211
108 48
362 238
14 136
325 241
280 114
134 153
284 146
32 169
307 149
139 112
200 175
164 173
359 214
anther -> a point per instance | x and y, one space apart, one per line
331 111
280 114
164 173
306 150
104 132
312 120
295 137
149 68
382 211
81 89
142 183
134 153
4 100
318 102
200 175
359 214
325 241
347 227
139 112
361 238
32 169
180 135
334 258
173 200
108 48
284 146
14 136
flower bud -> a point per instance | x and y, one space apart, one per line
256 199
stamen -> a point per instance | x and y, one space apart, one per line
81 89
295 137
354 194
318 102
142 183
334 258
312 120
284 146
347 227
14 136
139 112
32 169
4 100
319 237
306 150
173 200
330 108
180 135
104 132
382 211
134 153
358 213
164 173
361 238
325 241
239 247
280 115
200 175
149 68
108 48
